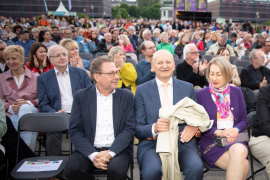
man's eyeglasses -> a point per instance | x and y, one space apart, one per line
262 57
196 53
111 74
59 55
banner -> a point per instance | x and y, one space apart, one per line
45 5
62 13
69 5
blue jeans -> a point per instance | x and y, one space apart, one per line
28 137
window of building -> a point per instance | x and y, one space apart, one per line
170 14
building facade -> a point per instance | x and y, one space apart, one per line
240 11
30 8
129 2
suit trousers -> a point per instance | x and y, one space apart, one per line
79 167
189 161
54 144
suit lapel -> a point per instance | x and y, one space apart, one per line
177 91
92 101
116 105
73 80
54 83
154 94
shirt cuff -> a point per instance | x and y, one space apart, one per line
10 110
112 154
153 132
30 103
92 156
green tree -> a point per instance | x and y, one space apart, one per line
153 13
144 3
124 13
125 6
144 12
114 11
133 11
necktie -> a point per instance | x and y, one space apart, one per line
166 98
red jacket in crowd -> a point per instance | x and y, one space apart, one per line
248 44
34 69
128 24
200 47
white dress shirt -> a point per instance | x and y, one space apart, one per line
266 58
3 66
104 125
65 89
161 90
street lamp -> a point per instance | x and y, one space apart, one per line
92 7
119 4
84 10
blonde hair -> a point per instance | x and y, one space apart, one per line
14 49
181 37
126 39
114 50
193 36
212 35
68 43
224 65
80 32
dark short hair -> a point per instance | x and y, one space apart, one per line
55 27
96 65
74 31
233 35
17 27
143 47
114 31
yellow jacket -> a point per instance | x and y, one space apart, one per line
128 76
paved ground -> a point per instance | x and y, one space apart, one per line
211 175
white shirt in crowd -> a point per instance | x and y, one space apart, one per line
104 125
3 66
266 58
65 89
167 27
160 91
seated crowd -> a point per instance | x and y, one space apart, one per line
111 100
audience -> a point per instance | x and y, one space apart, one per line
266 52
259 142
56 89
3 65
126 71
38 60
183 40
75 36
131 35
45 38
248 41
35 33
173 37
235 77
87 45
4 37
192 70
25 42
162 91
143 68
197 42
3 130
165 43
106 44
56 37
17 29
232 40
18 91
124 43
225 105
67 33
213 40
240 48
222 42
89 129
258 43
146 36
255 75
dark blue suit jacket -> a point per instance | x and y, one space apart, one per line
147 105
49 98
83 119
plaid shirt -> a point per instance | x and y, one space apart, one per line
26 46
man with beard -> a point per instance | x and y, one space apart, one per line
191 70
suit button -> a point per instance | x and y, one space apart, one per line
232 108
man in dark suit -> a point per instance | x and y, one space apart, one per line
56 89
77 22
162 91
176 25
102 126
3 65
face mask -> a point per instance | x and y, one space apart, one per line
242 45
168 24
121 41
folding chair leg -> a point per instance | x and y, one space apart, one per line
252 168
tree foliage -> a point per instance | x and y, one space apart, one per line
134 11
144 3
125 6
144 12
153 13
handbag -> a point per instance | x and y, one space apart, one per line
222 141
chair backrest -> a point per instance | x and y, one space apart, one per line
129 60
242 63
44 122
233 58
101 54
202 53
239 69
244 58
252 121
208 57
175 56
182 56
177 61
141 56
86 56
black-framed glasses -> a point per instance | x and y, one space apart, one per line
111 74
196 53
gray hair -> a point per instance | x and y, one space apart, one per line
224 36
253 54
163 35
193 36
35 30
187 50
130 28
106 34
145 32
54 46
62 29
259 36
157 30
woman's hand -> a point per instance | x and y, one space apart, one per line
73 61
87 40
118 61
15 108
79 63
21 102
36 62
44 62
231 134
